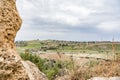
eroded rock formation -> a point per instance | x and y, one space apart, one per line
11 65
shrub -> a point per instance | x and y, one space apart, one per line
51 68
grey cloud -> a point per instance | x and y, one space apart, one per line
59 19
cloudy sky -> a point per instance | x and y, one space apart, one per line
76 20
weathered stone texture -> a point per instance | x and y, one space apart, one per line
9 23
11 67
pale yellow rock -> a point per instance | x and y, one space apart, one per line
11 67
33 71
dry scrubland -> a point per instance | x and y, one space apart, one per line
65 60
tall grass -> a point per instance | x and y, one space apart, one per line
102 69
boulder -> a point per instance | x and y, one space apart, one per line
33 71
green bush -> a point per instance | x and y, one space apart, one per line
51 68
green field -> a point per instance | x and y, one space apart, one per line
68 46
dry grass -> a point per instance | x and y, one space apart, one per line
94 68
103 69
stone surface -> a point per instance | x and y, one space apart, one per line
104 78
11 65
33 71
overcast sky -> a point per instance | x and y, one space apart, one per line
76 20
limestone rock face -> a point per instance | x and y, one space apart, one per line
9 23
11 66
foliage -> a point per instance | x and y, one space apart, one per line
51 68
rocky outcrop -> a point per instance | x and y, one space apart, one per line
11 65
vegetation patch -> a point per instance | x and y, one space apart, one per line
51 68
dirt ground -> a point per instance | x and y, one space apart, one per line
78 60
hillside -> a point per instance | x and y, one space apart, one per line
68 46
61 54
